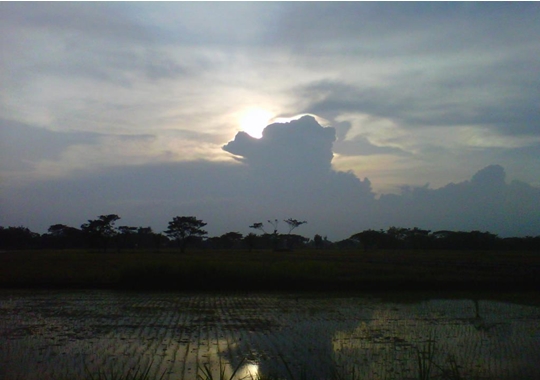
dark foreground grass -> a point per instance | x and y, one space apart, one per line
300 270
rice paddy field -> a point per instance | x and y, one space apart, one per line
299 270
90 334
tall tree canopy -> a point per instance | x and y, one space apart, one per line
101 230
184 229
293 223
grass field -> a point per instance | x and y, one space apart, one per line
307 269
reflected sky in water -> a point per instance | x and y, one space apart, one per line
67 334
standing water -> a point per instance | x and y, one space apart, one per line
69 335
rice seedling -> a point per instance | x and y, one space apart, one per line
50 335
139 373
452 370
449 370
204 372
303 374
424 359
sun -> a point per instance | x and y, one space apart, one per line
254 120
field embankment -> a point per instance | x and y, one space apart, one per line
266 270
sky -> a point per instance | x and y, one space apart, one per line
347 115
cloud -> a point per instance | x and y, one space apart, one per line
415 93
290 168
100 20
431 131
422 66
27 150
485 203
284 174
300 144
506 113
361 146
22 145
394 30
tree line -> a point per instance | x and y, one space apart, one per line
188 231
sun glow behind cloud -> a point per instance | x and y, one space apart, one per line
322 121
254 120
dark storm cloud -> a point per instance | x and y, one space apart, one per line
275 180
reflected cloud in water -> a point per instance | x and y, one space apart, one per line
180 335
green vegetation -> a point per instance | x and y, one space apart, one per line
303 269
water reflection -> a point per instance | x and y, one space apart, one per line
59 334
482 345
249 371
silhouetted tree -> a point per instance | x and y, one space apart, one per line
369 239
417 238
318 241
230 239
346 243
146 238
396 237
227 240
258 226
465 240
18 238
274 224
62 236
275 235
250 240
528 243
101 230
125 237
293 223
294 241
184 229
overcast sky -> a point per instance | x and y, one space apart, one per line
421 114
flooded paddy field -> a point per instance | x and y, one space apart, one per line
74 334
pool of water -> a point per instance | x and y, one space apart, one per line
66 335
